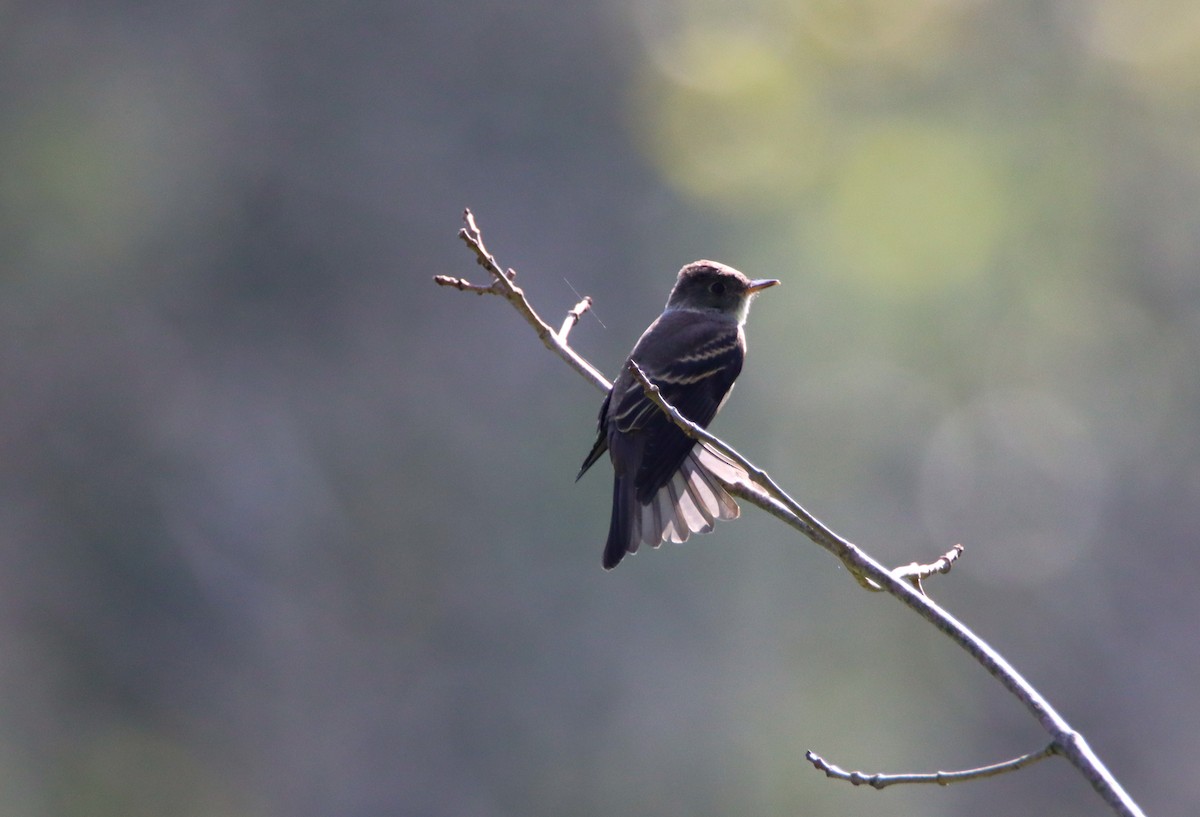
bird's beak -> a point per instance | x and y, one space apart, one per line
760 285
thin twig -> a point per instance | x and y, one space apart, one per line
573 317
463 285
880 780
763 492
915 573
502 284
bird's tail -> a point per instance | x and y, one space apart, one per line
622 538
689 503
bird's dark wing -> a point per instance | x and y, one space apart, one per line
702 358
601 444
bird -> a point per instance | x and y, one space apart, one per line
665 486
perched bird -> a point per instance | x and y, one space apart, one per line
664 485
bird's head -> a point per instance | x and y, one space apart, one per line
709 286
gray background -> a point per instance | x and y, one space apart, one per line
287 530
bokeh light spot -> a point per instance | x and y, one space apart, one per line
915 207
1157 42
728 119
871 28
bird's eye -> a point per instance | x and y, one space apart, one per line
716 288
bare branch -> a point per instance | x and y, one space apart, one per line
763 492
502 284
882 781
474 238
573 317
915 573
766 494
463 285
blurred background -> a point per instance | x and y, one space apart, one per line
285 529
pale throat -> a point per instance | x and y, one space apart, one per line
737 315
